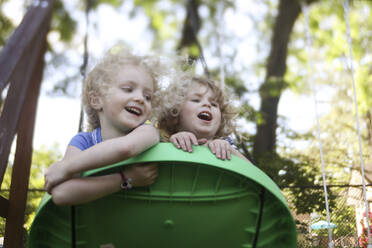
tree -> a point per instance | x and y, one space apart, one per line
274 84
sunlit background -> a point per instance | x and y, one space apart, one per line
58 114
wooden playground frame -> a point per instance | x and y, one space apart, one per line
21 70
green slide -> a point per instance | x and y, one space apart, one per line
197 201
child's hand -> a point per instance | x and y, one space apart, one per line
142 174
55 175
221 148
184 140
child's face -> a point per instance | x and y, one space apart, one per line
127 102
200 114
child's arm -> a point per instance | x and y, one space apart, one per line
82 190
105 153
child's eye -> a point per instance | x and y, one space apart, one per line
127 89
214 104
195 100
148 97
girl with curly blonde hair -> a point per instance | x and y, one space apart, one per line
117 96
196 110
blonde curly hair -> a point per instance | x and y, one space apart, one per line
104 73
172 99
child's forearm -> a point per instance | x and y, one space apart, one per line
105 153
82 190
113 150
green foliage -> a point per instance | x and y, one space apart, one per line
62 22
364 91
6 25
289 173
163 20
247 112
237 85
340 154
41 159
96 3
333 79
193 51
345 220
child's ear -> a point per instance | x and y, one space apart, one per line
95 100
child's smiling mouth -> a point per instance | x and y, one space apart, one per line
134 110
205 116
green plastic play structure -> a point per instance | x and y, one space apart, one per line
197 201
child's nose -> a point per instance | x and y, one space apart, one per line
206 103
139 98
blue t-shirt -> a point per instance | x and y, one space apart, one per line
84 140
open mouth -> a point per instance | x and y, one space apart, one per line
134 110
205 115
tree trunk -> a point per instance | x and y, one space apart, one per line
271 90
191 25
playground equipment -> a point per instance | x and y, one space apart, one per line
197 201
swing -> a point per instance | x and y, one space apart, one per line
197 201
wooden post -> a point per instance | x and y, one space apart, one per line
21 63
31 29
22 163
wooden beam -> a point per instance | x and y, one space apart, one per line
16 95
12 107
21 39
22 162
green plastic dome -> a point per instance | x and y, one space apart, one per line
197 201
